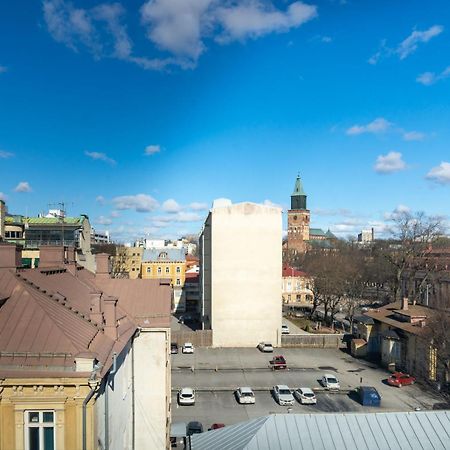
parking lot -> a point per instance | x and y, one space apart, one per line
216 373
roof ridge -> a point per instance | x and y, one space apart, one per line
62 300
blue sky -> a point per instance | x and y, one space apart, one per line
140 113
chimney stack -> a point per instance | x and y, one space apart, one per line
10 256
96 314
405 303
51 256
102 262
110 316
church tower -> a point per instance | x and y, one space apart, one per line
298 220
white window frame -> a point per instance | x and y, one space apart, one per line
159 270
178 282
167 269
178 269
41 425
149 269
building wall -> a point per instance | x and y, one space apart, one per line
152 389
175 270
119 390
64 396
245 275
127 262
2 219
296 290
205 243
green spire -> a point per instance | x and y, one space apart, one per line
298 190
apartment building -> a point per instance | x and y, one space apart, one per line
84 359
240 254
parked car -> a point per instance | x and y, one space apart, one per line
245 395
283 395
216 426
284 329
278 362
265 347
368 396
400 379
305 396
188 348
194 427
186 396
330 382
178 435
174 348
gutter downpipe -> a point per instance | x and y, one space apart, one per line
93 384
112 372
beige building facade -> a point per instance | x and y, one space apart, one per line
241 263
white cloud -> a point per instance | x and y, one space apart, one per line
152 149
398 211
379 125
332 212
3 196
413 136
197 206
3 69
139 202
440 174
256 18
102 220
429 78
410 44
5 155
23 186
171 206
100 199
327 39
100 157
164 221
115 214
390 163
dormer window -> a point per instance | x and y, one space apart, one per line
162 255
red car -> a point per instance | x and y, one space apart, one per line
400 379
216 426
278 362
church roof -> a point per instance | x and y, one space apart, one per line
298 189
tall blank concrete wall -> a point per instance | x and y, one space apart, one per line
246 269
152 389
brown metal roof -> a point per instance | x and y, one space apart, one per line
45 318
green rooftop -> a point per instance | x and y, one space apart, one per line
298 189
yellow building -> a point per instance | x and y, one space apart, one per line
165 263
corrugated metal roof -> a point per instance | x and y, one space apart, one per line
344 431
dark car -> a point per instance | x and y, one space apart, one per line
400 379
278 362
194 427
368 396
174 348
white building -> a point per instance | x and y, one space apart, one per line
240 254
366 236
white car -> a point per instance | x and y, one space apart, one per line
305 396
284 329
186 396
330 382
245 396
265 347
283 395
188 348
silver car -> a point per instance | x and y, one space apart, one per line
245 395
305 396
283 395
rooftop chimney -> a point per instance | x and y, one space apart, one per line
102 261
109 313
2 219
405 303
51 256
95 308
10 256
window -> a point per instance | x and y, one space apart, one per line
39 430
178 282
178 269
159 270
149 270
167 269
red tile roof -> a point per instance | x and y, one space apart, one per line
291 272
